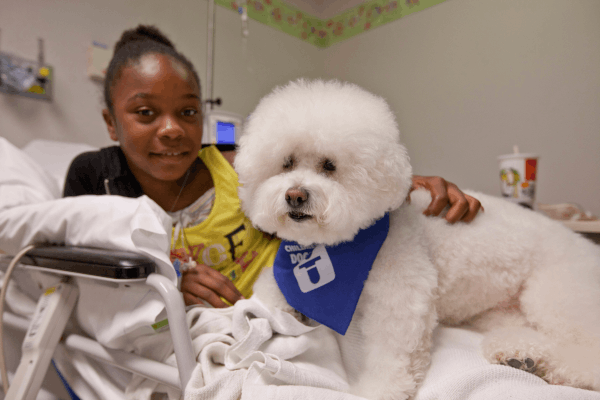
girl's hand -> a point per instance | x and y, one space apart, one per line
204 283
443 193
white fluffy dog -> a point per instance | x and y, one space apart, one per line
320 161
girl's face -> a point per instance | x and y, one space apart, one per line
157 118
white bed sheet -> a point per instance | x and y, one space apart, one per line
459 372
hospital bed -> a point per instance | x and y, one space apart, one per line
213 348
71 265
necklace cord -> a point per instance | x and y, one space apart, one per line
187 174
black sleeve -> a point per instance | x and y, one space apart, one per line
223 147
83 175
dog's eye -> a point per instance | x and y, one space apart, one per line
328 165
288 163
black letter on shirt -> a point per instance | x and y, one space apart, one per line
234 245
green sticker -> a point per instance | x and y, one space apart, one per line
160 324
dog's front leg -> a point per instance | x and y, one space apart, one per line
397 320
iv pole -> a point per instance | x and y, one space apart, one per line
210 56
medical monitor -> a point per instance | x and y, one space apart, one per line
222 128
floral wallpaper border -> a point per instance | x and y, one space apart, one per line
324 33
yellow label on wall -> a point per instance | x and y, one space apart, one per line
49 291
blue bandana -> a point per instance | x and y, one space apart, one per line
325 282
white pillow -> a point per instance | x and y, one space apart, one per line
22 179
55 156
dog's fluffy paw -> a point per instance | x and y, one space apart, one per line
301 317
521 361
527 365
520 348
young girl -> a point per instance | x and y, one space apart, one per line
153 109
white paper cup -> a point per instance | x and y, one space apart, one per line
517 178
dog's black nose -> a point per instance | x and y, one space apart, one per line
296 197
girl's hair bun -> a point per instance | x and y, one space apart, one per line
141 33
133 45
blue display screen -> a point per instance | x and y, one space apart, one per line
225 133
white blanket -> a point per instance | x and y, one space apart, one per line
250 352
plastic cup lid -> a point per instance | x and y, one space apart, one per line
517 155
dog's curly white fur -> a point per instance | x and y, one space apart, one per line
531 284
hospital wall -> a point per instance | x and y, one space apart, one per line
469 79
244 72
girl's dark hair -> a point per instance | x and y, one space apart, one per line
134 44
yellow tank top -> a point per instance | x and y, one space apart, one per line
226 240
